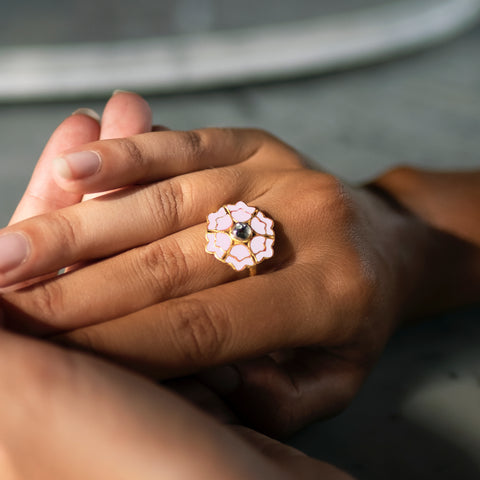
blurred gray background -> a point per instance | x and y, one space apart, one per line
418 417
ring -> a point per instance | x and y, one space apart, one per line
240 235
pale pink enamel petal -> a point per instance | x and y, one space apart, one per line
210 248
257 244
223 240
258 226
240 257
218 244
245 207
212 218
224 223
262 224
240 265
219 220
240 252
241 212
267 252
222 244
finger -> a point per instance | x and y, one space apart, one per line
151 157
43 194
241 319
115 222
125 114
281 393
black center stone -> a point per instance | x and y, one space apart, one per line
242 231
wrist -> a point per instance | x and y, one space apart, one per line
437 263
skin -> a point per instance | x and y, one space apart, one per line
358 259
125 426
68 415
125 114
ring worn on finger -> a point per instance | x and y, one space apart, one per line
241 236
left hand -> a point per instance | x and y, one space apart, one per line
329 299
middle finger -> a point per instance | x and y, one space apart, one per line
118 221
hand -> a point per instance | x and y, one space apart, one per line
326 303
68 416
125 114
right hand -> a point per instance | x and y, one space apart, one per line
125 114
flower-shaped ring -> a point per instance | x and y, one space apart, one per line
240 235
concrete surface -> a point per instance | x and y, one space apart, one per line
418 416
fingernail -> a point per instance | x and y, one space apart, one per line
74 166
88 112
116 92
223 380
14 250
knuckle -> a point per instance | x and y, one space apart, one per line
330 204
236 179
164 267
47 300
166 202
67 230
193 144
201 332
133 152
335 196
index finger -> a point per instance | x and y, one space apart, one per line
150 157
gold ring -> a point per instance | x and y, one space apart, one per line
240 235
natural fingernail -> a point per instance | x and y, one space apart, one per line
88 112
116 92
14 250
223 380
74 166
